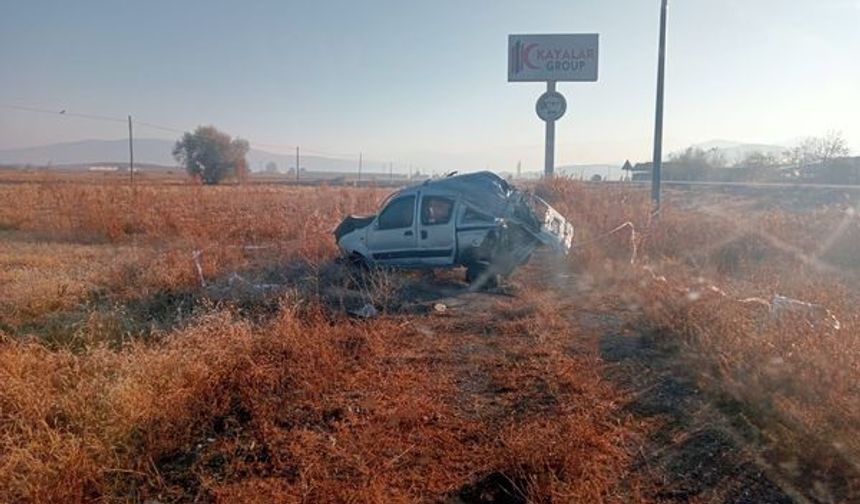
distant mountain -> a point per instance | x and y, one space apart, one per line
146 150
158 152
737 151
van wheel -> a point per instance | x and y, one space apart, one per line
358 261
479 276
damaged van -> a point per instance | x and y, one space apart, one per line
475 220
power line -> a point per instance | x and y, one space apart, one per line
95 117
161 127
63 112
158 127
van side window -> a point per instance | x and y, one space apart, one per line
473 216
436 210
398 214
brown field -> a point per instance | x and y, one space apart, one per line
161 175
653 366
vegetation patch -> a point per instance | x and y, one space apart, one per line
221 353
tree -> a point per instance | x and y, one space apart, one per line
759 159
819 149
212 155
271 167
694 163
758 166
832 146
696 156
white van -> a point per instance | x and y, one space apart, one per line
476 220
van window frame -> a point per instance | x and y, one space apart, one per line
393 201
425 198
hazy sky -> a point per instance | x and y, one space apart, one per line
425 82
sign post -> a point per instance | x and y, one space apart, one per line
550 107
550 59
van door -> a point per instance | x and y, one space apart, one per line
391 238
437 235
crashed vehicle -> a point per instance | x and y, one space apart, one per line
475 220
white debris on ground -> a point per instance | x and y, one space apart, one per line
235 279
778 306
195 256
366 311
782 304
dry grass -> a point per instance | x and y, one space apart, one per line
704 286
63 241
305 408
300 404
249 396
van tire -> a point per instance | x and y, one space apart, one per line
358 261
479 276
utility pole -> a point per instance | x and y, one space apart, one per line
131 181
297 164
657 161
130 154
359 168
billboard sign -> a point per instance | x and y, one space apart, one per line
555 57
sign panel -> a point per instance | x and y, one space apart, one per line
551 106
556 57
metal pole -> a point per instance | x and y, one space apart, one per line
657 161
130 154
131 181
297 164
549 154
359 168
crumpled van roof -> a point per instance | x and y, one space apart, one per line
484 190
